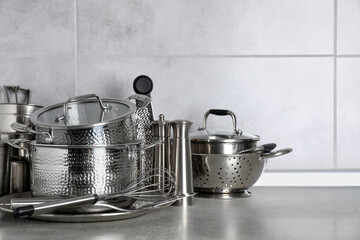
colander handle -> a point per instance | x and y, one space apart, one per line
265 148
278 153
221 112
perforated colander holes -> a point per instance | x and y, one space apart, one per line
203 180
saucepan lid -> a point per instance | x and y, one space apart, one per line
222 136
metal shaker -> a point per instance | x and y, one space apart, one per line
181 162
161 130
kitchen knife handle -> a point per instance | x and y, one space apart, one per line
24 212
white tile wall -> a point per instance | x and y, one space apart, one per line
348 27
348 95
288 69
205 27
38 27
277 98
50 79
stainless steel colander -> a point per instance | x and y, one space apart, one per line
228 161
229 173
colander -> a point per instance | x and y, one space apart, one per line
228 161
229 173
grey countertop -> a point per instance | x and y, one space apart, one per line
271 213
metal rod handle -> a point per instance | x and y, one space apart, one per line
48 207
77 99
221 112
19 127
278 153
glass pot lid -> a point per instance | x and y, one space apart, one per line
83 111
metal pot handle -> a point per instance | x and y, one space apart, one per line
26 129
265 148
14 143
220 112
77 99
277 153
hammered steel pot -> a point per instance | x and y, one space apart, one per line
85 120
77 170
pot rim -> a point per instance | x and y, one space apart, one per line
118 146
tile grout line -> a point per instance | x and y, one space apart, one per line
189 56
75 46
335 87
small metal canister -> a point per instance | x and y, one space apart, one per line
161 130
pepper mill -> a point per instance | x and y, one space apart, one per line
161 158
181 162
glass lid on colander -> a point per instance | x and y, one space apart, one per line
83 111
221 136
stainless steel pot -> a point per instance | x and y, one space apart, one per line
17 111
229 173
206 141
12 112
85 120
77 170
12 165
